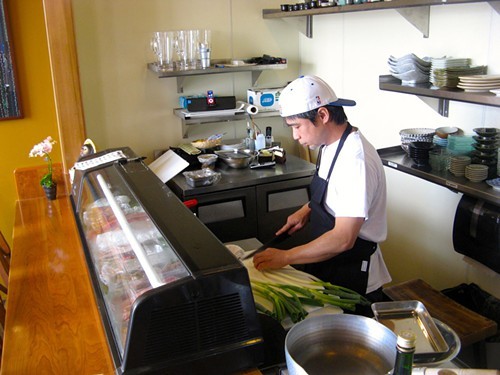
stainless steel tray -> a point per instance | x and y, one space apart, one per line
413 316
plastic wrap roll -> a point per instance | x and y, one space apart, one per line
249 108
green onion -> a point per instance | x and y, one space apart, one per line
289 300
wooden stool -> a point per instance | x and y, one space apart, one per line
471 328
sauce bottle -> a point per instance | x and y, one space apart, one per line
405 349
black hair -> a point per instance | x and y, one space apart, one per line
337 114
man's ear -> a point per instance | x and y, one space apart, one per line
323 115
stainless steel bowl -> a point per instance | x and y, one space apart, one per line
340 344
236 159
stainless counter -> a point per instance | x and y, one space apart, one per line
237 178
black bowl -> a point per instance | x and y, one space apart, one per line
487 132
421 145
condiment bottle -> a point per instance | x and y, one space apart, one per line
260 142
405 348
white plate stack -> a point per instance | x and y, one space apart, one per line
476 172
479 83
458 164
445 71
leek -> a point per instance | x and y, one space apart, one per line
290 300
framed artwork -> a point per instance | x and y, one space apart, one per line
9 91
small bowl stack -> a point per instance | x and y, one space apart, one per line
419 152
415 135
476 172
458 164
486 148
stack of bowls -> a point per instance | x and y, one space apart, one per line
410 69
419 152
458 164
486 149
476 172
415 135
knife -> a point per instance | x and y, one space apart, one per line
271 243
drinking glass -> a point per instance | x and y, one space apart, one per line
180 44
161 44
204 47
192 48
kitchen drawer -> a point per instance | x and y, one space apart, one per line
231 215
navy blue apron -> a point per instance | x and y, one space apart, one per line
346 269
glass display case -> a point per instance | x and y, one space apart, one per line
172 298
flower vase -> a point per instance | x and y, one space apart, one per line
50 192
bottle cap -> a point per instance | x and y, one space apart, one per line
406 340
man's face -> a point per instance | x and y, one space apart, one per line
305 132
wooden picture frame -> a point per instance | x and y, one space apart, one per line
10 107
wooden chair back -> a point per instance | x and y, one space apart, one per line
4 261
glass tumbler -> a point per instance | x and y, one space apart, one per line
204 47
161 44
180 45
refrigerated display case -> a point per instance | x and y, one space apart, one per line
172 297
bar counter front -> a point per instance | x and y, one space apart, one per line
53 323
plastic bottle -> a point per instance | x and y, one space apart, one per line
260 142
405 349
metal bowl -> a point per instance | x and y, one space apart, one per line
236 159
340 344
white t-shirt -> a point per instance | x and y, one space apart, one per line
357 188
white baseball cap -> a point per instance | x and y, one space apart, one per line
307 93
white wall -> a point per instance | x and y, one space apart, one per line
350 51
125 104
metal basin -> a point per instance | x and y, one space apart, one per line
340 344
235 159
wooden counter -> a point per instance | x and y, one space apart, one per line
53 324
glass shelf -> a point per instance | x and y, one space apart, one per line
395 157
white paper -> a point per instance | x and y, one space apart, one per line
168 165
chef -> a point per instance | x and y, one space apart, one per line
347 209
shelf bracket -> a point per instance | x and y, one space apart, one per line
180 85
303 24
443 107
442 104
255 76
418 17
495 5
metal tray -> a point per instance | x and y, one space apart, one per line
413 316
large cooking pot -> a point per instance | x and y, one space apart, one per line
340 344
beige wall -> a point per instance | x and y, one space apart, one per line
127 105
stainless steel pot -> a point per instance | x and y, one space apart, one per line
340 344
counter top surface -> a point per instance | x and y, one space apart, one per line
233 178
53 324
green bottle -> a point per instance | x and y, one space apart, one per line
405 348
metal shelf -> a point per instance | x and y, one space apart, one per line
396 158
218 67
417 12
389 83
230 116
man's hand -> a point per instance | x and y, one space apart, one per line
270 258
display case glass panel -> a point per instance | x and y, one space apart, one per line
130 255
